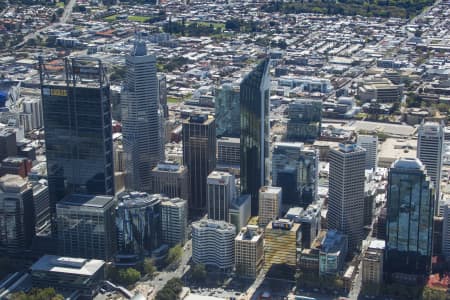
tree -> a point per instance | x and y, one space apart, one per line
128 276
199 272
149 267
174 255
38 294
171 290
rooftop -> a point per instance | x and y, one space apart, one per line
68 265
86 200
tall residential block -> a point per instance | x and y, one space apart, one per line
138 221
199 156
249 251
174 213
17 217
227 108
254 110
295 169
221 191
304 120
370 143
430 145
270 198
140 119
213 243
346 192
372 265
170 179
78 127
86 226
409 229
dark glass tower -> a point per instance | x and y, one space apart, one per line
78 136
410 208
254 107
199 155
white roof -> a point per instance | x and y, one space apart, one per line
69 265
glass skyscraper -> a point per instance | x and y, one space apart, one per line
254 95
228 110
295 170
410 207
304 120
78 128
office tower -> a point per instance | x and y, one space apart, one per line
346 192
438 230
269 204
8 145
170 179
33 107
430 145
228 151
295 169
240 211
304 120
213 243
332 254
86 226
174 214
140 120
138 221
221 191
227 108
410 207
162 91
309 219
370 143
281 239
78 134
446 229
254 107
16 166
199 155
41 200
17 221
249 251
372 265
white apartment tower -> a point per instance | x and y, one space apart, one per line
346 192
174 213
269 204
221 191
429 150
141 118
370 143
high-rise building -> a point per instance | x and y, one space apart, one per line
372 265
140 119
78 128
8 146
221 191
41 200
33 107
228 151
170 179
254 111
138 221
304 120
430 145
445 208
370 143
228 110
240 211
409 229
213 243
269 204
249 251
346 192
199 155
17 220
162 90
309 219
86 226
295 169
174 214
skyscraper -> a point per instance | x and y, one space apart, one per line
221 191
142 136
430 150
295 169
346 192
78 134
228 110
199 155
410 208
174 213
170 179
269 204
370 143
254 110
304 120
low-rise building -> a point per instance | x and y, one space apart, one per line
333 250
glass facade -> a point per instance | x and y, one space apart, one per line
228 111
254 105
138 221
78 129
409 218
304 120
295 170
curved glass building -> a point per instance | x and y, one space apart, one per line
138 224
